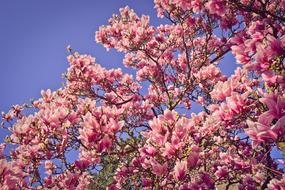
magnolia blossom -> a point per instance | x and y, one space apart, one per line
180 170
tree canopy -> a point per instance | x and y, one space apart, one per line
140 132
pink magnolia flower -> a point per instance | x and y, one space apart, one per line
216 7
115 126
276 108
239 49
206 179
222 172
70 180
158 169
47 95
222 90
82 164
192 159
169 150
279 126
169 116
180 170
146 182
275 46
148 151
262 57
269 76
122 172
104 144
210 72
236 102
259 132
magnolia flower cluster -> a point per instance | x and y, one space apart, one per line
108 130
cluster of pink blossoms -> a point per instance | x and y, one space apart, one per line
141 132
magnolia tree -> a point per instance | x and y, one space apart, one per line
141 132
